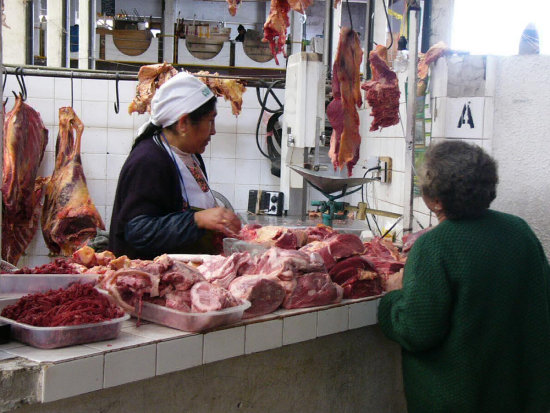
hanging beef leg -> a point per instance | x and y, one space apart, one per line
69 217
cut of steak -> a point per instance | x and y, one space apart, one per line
264 294
313 289
25 140
285 264
150 78
208 297
270 236
336 247
221 270
69 217
382 91
357 276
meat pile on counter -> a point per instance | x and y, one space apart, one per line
75 305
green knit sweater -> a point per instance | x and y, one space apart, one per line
473 318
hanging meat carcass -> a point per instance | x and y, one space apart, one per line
342 110
382 91
233 5
230 89
277 23
25 139
150 78
69 217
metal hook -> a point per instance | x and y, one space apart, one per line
21 80
72 91
117 103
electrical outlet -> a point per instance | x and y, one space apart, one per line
385 169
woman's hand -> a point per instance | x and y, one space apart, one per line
394 281
219 219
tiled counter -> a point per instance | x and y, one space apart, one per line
151 350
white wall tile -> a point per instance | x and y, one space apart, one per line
98 190
333 320
38 87
363 314
439 111
114 165
223 344
122 119
247 147
125 366
488 118
226 122
97 90
47 165
222 171
119 141
52 355
94 140
69 379
223 145
154 331
110 191
453 114
248 171
241 196
247 121
264 336
250 99
94 114
227 190
299 328
179 354
139 120
126 92
62 88
45 107
94 165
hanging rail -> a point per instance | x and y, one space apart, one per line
251 81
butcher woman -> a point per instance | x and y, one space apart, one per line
163 203
473 312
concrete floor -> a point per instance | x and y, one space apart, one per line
355 371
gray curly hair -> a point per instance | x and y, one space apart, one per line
463 177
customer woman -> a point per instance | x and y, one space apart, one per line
473 313
163 203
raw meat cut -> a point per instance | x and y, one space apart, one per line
25 140
265 294
285 264
357 276
313 289
300 5
410 239
233 5
275 27
150 78
384 256
69 217
342 110
382 91
424 61
231 89
269 235
335 247
220 270
208 297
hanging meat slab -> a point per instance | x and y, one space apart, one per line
150 78
69 217
342 110
382 91
231 89
233 5
275 27
25 139
300 5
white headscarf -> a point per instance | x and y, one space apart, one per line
181 94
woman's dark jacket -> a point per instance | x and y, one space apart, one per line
148 216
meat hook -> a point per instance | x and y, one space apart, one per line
117 103
21 80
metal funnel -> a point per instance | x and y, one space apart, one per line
327 182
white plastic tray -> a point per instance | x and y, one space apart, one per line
193 322
38 283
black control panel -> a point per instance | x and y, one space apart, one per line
265 202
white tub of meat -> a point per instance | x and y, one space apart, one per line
39 283
193 322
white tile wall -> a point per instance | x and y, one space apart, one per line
263 336
363 314
179 354
299 328
125 366
333 320
63 380
223 344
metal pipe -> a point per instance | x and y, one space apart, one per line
327 47
29 36
414 29
1 134
91 33
251 81
369 36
